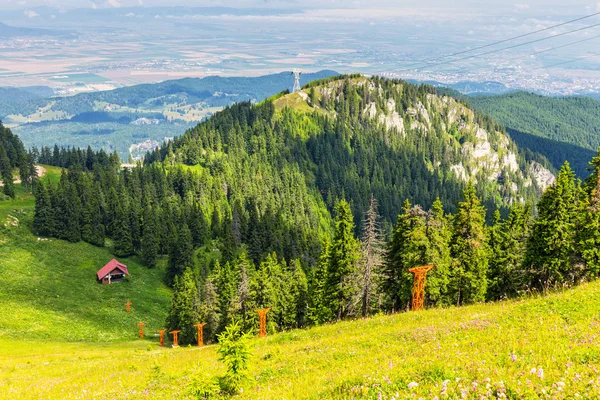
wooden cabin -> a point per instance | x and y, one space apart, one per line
114 271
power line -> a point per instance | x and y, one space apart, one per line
502 49
571 61
501 41
552 48
510 39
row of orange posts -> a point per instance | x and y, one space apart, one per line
262 314
418 302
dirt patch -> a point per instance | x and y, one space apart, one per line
41 171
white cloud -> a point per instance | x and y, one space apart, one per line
522 6
113 3
30 14
598 6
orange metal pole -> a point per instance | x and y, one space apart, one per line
200 334
175 338
418 292
262 317
141 325
162 336
128 306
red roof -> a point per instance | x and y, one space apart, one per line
111 266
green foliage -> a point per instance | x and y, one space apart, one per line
567 119
234 351
406 249
319 310
468 273
181 254
150 245
438 231
508 243
184 307
552 249
589 237
343 258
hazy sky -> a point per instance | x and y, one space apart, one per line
536 6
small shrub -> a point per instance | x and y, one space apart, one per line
234 352
204 387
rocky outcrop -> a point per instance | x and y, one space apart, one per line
543 177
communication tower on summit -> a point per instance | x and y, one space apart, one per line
297 86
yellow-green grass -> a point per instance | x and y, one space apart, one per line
25 201
64 336
481 350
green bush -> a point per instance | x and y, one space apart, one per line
234 352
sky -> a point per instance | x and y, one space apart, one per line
381 36
545 6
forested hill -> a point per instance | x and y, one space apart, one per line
572 120
351 137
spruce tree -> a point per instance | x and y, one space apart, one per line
468 275
407 248
68 210
552 245
123 245
226 287
183 314
439 234
209 308
372 248
181 254
43 221
6 174
242 306
300 293
150 241
319 311
507 242
343 258
589 236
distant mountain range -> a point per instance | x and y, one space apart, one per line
107 117
7 32
560 128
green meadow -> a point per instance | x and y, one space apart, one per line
63 336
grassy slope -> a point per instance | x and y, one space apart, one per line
49 300
48 288
356 359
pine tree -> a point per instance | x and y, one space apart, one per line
183 314
150 240
319 310
43 221
407 248
123 245
209 308
241 305
439 234
181 254
468 280
343 257
372 248
226 287
589 236
67 210
6 174
551 247
300 292
507 242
